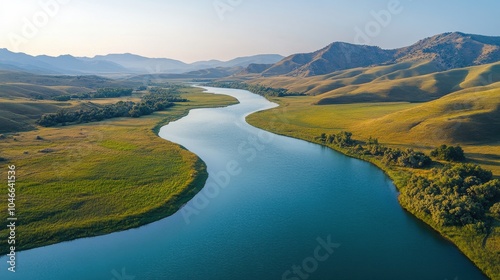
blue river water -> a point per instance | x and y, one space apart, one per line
273 207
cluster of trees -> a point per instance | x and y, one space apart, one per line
449 153
170 94
156 100
99 93
456 195
120 109
342 139
62 98
111 92
404 158
257 89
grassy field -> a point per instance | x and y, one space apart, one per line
298 117
470 119
92 179
24 97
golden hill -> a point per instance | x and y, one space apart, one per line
467 116
401 82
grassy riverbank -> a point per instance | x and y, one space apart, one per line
92 179
297 117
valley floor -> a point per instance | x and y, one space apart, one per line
91 179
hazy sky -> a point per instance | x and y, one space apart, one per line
191 30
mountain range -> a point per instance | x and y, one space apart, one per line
118 64
440 53
446 51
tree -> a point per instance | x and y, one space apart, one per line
449 153
322 137
456 195
495 210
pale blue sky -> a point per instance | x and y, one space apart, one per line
191 30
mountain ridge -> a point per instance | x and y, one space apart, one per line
448 50
126 63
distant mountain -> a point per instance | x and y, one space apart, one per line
146 65
334 57
64 64
139 64
23 62
240 61
121 64
68 64
453 50
255 59
256 68
447 51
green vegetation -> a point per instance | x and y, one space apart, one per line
92 179
403 158
456 195
467 194
406 158
103 93
156 100
449 153
256 88
25 97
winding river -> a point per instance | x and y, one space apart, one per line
273 207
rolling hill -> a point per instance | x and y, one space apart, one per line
24 97
470 116
404 81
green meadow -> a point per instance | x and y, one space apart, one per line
97 178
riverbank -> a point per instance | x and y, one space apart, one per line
481 249
93 179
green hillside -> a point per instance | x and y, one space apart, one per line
24 97
467 116
402 82
18 115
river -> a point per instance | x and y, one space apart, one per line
273 207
